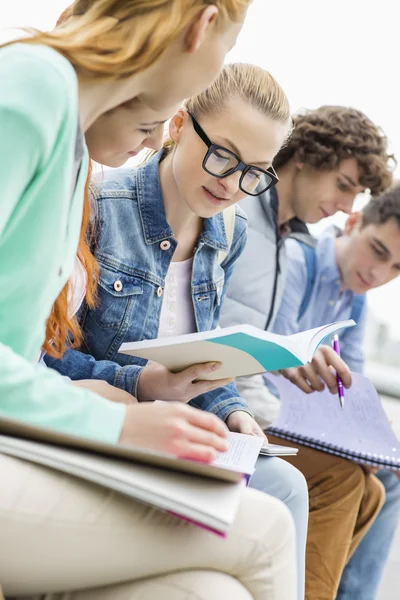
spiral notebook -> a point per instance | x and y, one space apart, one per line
361 432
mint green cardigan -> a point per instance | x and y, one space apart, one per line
39 232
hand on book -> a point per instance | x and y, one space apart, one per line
157 383
175 428
102 388
241 422
320 372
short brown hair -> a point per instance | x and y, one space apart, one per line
381 209
327 135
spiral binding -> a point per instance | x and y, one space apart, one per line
369 458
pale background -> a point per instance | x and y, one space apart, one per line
342 52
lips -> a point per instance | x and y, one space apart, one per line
325 214
213 198
216 195
133 153
363 281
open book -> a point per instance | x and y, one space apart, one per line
242 349
361 432
205 494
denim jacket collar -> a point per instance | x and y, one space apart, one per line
152 212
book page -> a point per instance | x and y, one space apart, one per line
305 343
242 453
361 427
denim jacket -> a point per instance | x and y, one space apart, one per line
131 228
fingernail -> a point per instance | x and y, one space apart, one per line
216 366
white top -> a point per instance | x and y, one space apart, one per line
76 293
77 288
177 314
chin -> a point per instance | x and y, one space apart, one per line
114 163
312 219
205 213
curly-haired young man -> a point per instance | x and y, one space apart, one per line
334 153
332 286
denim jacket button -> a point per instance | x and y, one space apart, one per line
159 292
117 285
165 245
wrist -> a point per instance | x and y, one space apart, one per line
238 408
142 391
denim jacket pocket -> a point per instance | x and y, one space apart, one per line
118 295
207 298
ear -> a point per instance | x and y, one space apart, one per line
353 223
298 161
197 32
176 125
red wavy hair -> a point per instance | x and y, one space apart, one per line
62 329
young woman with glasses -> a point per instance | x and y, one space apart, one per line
160 234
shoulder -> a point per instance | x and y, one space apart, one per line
295 252
29 69
39 86
240 222
113 183
261 216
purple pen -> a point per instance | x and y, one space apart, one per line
336 347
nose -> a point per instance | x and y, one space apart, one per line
380 273
231 183
155 141
345 203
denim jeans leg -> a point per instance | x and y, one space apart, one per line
363 573
283 481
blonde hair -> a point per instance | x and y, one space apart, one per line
112 39
238 81
246 82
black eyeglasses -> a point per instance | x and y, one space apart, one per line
221 162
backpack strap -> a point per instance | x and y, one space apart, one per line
357 306
229 216
311 267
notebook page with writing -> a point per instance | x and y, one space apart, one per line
242 453
361 432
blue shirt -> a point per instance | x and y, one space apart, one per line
134 247
328 302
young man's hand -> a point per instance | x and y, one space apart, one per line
241 422
320 372
157 383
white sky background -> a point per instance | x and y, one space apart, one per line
342 52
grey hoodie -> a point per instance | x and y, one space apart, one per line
256 287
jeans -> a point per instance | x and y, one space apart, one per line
363 573
283 481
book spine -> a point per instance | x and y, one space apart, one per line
196 523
